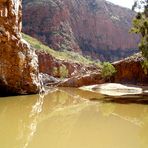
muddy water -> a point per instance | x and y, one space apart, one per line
65 118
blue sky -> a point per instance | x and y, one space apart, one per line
124 3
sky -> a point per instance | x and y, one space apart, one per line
124 3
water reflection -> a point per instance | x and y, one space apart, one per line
65 118
34 115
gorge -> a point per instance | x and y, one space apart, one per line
56 91
19 62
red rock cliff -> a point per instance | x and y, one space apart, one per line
96 28
130 71
18 63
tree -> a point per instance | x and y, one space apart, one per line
140 25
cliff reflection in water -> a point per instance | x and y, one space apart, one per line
65 118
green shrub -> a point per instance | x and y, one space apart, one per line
108 70
55 71
63 71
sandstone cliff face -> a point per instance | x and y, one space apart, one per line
48 64
18 63
95 28
77 74
130 71
48 21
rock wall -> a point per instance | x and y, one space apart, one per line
48 22
48 64
95 28
18 62
130 71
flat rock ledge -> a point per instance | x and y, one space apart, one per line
115 89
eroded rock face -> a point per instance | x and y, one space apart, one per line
18 63
130 71
83 80
51 66
77 74
95 28
48 21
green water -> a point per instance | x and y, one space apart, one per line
65 118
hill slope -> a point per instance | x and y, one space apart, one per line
61 64
59 55
95 28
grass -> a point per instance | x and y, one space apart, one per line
62 55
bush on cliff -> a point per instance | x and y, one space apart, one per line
62 71
108 70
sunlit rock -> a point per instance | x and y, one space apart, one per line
130 71
18 62
114 89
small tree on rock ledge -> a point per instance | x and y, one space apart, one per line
108 70
140 25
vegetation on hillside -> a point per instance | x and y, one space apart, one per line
62 55
107 69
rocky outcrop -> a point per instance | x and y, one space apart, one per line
130 71
95 28
62 68
56 72
83 80
18 62
113 89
